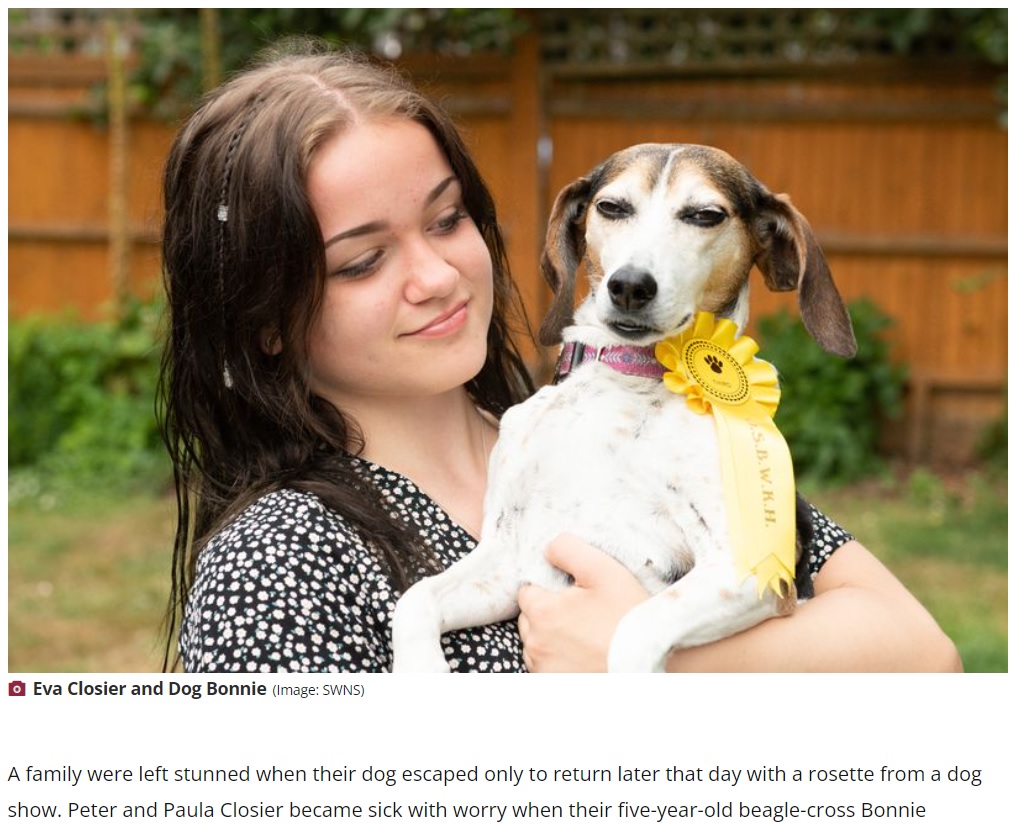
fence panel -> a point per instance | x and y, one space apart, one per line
903 174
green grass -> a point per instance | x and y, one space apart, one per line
88 574
947 541
87 584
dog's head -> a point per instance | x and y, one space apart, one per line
667 230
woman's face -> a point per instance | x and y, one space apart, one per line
409 293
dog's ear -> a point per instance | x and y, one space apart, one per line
789 258
562 254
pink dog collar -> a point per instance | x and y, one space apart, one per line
638 361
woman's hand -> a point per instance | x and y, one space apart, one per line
570 630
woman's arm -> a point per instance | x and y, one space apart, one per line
861 619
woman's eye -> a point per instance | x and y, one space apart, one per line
613 209
360 267
707 217
446 224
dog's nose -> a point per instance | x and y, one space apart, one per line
631 288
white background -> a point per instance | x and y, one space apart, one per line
730 722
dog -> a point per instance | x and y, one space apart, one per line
664 231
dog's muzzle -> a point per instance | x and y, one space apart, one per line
631 289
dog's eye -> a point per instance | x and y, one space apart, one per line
709 216
613 209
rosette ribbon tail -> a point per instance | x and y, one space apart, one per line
757 475
718 373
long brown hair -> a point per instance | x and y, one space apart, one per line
242 254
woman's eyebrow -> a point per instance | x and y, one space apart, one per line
438 190
377 226
365 229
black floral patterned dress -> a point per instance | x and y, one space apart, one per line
288 586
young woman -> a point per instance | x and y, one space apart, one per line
341 345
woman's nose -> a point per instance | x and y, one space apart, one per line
428 273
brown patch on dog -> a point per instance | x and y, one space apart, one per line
790 257
723 289
786 602
562 252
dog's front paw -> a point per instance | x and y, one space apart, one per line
632 649
415 634
419 658
634 660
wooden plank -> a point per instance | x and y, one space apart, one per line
57 233
869 110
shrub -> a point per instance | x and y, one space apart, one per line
992 447
81 398
832 409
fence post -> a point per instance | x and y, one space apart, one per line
211 49
119 235
527 130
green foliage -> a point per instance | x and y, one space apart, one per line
993 444
832 409
168 75
81 401
981 33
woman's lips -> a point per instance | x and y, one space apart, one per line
446 324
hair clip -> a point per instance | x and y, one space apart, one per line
223 213
227 376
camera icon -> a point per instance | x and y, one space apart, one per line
16 688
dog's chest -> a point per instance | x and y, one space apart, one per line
620 461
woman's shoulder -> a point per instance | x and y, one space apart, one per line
288 535
286 585
284 520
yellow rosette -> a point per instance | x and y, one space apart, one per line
717 372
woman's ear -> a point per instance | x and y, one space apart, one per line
271 342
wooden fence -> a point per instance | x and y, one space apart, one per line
901 167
